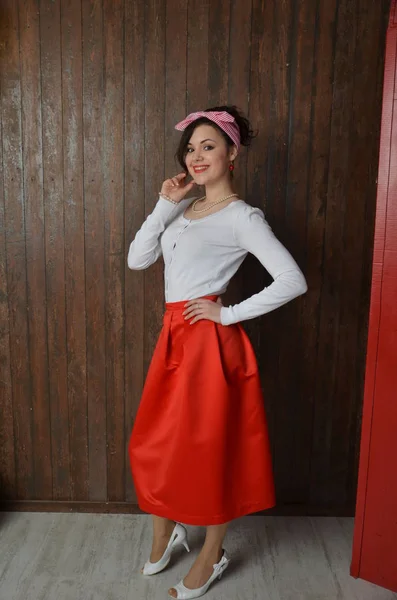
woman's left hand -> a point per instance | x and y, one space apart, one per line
202 308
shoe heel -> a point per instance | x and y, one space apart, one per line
186 545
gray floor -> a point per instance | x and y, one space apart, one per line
47 556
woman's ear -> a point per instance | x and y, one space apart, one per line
233 153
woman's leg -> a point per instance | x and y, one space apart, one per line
162 530
210 553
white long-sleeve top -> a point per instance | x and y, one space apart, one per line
202 255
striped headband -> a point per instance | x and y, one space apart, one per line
222 118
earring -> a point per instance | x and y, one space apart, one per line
231 167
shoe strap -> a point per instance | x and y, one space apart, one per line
222 563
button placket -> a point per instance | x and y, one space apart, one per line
178 236
172 252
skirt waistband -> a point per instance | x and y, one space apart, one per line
180 306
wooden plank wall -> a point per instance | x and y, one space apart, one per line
90 93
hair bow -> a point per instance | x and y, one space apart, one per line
223 119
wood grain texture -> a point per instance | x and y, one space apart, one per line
266 176
134 161
73 193
219 32
198 59
93 92
292 452
15 237
176 37
7 452
239 65
316 210
113 185
54 215
90 94
29 26
342 276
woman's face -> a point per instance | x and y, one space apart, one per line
208 155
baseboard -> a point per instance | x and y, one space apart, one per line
130 508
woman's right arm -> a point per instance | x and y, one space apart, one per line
145 249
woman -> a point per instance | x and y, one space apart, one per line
199 449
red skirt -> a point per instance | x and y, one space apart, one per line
199 448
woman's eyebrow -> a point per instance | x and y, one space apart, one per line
202 142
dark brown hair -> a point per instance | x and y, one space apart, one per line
246 132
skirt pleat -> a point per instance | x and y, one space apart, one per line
199 449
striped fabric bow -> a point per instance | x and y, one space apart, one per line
223 119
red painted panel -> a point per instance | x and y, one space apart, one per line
375 536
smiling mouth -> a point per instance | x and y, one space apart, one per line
200 169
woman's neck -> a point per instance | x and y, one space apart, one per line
216 192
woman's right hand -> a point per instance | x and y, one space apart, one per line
175 188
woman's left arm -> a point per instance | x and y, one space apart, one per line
253 233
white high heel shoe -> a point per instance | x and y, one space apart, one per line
185 593
178 537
